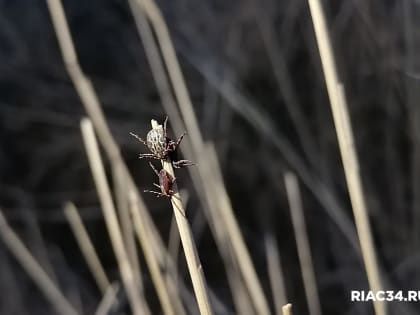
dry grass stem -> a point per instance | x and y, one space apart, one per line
86 246
92 106
108 300
184 101
168 304
121 198
209 162
174 70
284 82
91 103
302 242
275 272
51 292
188 244
348 151
135 297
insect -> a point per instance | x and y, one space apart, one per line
166 182
162 146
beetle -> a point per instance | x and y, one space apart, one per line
166 182
161 146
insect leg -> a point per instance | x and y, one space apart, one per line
164 127
138 138
154 169
159 194
182 163
148 156
180 139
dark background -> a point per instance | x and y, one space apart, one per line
43 163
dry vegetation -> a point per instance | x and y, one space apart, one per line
301 117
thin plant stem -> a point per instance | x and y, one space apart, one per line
168 303
86 246
92 106
34 270
275 272
169 104
302 242
108 300
346 143
190 250
121 198
225 214
176 78
136 299
284 82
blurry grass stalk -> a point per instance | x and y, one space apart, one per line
211 171
191 255
37 243
238 288
121 197
86 246
221 80
91 103
170 306
348 151
51 292
275 272
302 242
135 297
108 300
183 99
240 294
287 309
174 70
284 82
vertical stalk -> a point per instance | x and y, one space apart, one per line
187 240
348 151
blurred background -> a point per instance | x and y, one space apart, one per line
254 76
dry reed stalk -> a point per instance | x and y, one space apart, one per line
302 242
184 101
121 198
169 103
240 295
37 244
86 246
51 292
287 309
92 106
348 152
211 171
284 82
181 92
135 297
264 125
275 272
168 304
238 288
190 250
174 70
108 300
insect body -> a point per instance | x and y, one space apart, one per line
161 146
166 182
